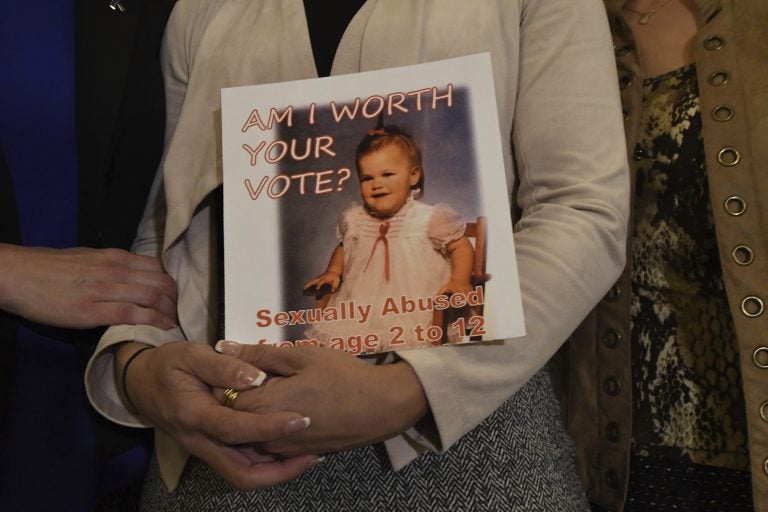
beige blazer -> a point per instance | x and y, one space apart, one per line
558 105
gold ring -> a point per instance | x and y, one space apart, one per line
230 395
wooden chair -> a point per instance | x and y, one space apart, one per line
445 317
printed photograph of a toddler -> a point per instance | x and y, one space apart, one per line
393 245
375 252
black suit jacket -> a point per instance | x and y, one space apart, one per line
119 123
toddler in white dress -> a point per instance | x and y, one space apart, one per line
395 254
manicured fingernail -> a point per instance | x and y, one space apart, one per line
297 425
229 348
318 460
251 377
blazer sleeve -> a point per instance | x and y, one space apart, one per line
573 189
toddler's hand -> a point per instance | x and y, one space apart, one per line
332 279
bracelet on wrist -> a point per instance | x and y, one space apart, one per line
125 374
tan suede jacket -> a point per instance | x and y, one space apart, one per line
593 369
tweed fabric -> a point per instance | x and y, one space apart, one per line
518 459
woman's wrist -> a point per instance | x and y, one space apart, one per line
405 395
128 355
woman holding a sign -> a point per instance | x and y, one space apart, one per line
469 427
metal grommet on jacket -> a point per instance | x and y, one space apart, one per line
760 362
752 306
612 294
623 51
713 42
742 254
728 156
735 205
723 113
719 78
764 411
610 338
611 386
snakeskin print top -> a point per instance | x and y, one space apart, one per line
687 397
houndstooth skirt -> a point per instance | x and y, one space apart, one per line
518 459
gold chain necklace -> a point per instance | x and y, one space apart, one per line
645 16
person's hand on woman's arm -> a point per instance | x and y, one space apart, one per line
83 288
169 387
351 403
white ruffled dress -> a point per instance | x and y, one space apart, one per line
414 243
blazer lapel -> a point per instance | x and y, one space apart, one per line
245 43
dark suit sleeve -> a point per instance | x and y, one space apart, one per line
120 122
120 116
9 233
